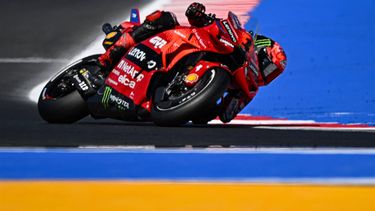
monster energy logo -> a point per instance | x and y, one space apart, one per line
263 43
105 98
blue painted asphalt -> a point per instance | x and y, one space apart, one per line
182 165
331 61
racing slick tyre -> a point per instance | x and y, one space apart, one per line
177 108
60 102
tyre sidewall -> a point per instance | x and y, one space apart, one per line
67 109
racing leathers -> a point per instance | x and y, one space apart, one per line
271 61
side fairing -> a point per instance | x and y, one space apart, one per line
132 75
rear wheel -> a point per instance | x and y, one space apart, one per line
176 104
59 101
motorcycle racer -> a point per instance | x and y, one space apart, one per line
271 57
272 62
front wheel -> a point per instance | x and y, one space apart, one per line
180 105
59 101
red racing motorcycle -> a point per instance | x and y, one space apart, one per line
174 77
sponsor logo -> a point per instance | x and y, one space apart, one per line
191 78
199 39
126 82
199 67
112 81
116 72
123 79
127 68
151 64
138 54
179 34
105 98
230 31
158 42
226 43
262 43
109 98
121 103
81 84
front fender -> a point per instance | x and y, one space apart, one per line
200 69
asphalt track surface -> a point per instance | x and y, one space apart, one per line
57 29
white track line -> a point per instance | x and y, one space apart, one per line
33 60
320 128
264 122
294 125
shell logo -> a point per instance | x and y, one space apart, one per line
191 78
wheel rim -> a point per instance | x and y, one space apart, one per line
173 102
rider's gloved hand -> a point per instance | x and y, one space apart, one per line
196 14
